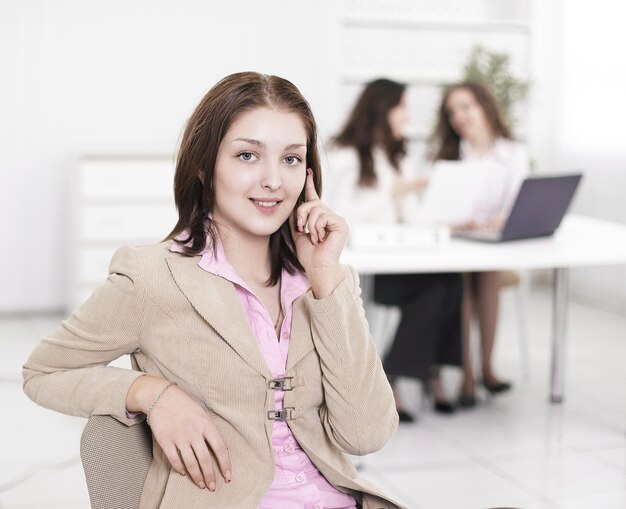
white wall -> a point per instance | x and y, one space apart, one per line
591 134
592 104
122 76
592 98
84 77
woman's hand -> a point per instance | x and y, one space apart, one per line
183 429
495 223
320 249
464 227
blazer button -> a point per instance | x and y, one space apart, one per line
300 477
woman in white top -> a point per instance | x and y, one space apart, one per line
368 184
471 127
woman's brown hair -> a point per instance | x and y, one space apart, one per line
194 180
368 126
445 141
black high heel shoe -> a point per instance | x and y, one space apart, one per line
467 401
496 388
440 406
443 407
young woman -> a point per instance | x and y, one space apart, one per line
471 127
252 359
370 185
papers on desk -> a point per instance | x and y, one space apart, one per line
372 236
453 193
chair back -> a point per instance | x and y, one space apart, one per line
116 459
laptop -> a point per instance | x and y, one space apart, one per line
537 212
454 188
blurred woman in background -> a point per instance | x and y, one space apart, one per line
367 183
471 127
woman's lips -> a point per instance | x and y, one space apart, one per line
266 206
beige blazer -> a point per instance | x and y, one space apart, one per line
186 325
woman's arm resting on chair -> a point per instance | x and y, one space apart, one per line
182 428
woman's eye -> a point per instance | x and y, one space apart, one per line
291 160
245 156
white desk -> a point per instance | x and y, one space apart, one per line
579 242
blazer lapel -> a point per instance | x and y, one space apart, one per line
215 299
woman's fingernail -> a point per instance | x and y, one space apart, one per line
211 486
201 485
227 476
300 222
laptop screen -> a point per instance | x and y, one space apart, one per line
540 206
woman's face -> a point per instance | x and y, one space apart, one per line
259 172
398 117
466 115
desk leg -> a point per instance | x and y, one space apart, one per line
559 326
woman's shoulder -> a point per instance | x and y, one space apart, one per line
159 250
510 146
135 259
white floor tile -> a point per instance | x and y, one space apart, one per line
469 486
614 456
541 505
63 487
564 474
484 434
414 445
591 433
604 501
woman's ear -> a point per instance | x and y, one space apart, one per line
201 177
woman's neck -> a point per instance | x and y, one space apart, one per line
481 143
249 255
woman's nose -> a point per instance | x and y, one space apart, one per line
270 177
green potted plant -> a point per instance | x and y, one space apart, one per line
493 69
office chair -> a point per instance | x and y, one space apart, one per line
116 459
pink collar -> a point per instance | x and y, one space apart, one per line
292 285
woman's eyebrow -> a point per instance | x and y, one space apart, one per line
261 144
250 140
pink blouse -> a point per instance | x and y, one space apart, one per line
507 166
297 484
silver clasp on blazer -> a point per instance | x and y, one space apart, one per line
281 384
284 414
